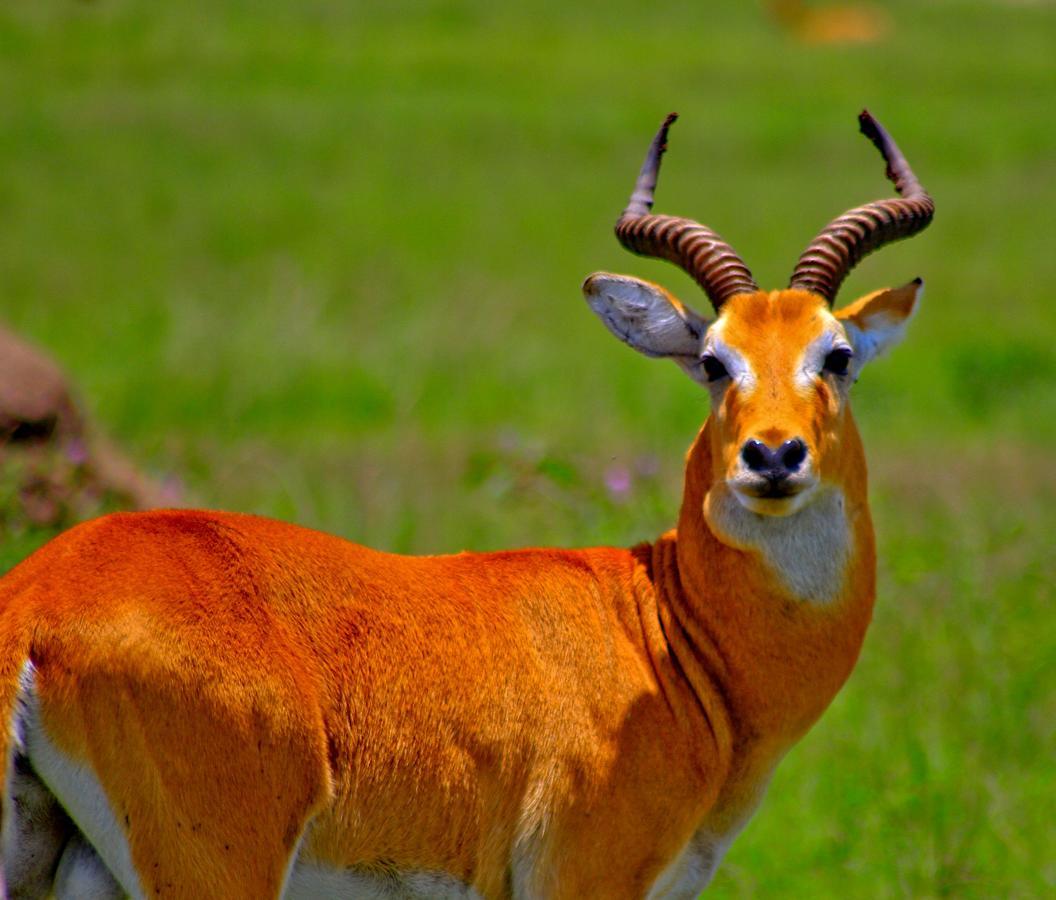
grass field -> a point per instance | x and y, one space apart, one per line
321 261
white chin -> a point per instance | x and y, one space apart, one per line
774 506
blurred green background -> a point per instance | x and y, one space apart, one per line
321 261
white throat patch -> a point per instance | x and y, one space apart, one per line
807 550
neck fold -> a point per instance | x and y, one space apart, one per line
768 643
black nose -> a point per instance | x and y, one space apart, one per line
775 463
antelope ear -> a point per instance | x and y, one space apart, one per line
877 321
647 317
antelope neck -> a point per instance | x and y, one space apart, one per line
763 658
808 557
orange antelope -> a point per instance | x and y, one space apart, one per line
203 704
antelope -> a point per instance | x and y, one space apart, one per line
206 704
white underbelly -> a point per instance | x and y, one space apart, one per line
312 881
75 786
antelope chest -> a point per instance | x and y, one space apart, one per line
692 869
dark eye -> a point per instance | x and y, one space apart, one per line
838 360
713 368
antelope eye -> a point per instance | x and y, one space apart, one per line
837 361
713 368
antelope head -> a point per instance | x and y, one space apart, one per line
778 364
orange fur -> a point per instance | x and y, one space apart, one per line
236 682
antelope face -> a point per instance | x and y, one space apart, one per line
778 364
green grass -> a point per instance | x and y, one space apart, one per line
320 260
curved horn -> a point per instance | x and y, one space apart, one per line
712 262
842 244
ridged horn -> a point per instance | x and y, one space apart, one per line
712 263
847 239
